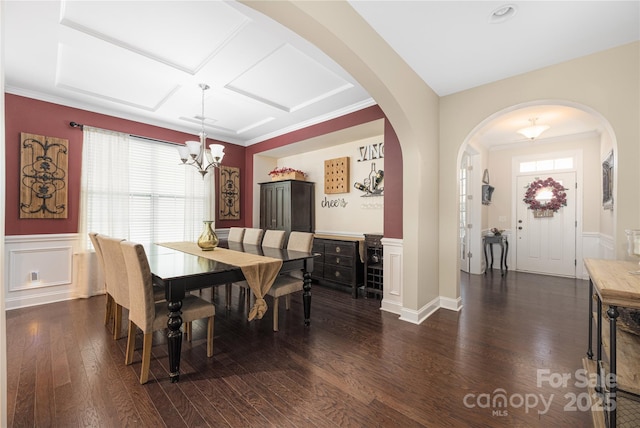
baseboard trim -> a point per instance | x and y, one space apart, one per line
451 304
417 317
38 299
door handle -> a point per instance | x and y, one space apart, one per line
519 227
519 221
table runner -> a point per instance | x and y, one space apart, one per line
259 271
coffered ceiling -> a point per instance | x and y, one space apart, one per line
143 60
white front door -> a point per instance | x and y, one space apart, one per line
547 245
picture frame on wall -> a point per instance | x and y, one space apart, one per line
607 182
487 191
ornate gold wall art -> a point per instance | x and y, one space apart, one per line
229 208
43 176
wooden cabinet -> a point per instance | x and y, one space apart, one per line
373 265
287 205
339 263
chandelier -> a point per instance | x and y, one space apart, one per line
196 153
532 132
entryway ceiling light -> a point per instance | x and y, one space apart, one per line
532 132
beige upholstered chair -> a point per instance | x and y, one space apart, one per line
273 238
115 276
151 316
108 309
235 234
252 236
116 280
286 284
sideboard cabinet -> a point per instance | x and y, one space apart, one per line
339 262
287 205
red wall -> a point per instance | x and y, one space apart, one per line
392 183
52 120
392 161
43 118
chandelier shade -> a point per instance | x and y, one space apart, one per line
532 132
196 153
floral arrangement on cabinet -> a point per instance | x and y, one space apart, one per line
285 173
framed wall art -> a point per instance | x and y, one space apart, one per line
229 208
43 176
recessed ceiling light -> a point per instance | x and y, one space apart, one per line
502 13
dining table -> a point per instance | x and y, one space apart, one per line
182 267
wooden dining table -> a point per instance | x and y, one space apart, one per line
179 272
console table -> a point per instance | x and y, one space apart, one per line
611 284
504 251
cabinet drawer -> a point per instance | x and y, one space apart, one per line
338 260
339 274
339 248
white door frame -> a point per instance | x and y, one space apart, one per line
516 195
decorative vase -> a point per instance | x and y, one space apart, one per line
208 239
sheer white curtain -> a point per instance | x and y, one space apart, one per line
104 200
135 189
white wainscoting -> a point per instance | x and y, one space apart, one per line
39 269
590 250
392 275
607 247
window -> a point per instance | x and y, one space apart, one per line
136 189
465 165
166 199
546 165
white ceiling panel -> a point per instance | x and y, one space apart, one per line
85 65
231 113
180 34
289 80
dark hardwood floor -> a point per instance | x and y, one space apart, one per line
356 366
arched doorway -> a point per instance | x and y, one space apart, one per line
577 142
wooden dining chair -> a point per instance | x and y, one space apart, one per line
108 308
286 283
148 315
